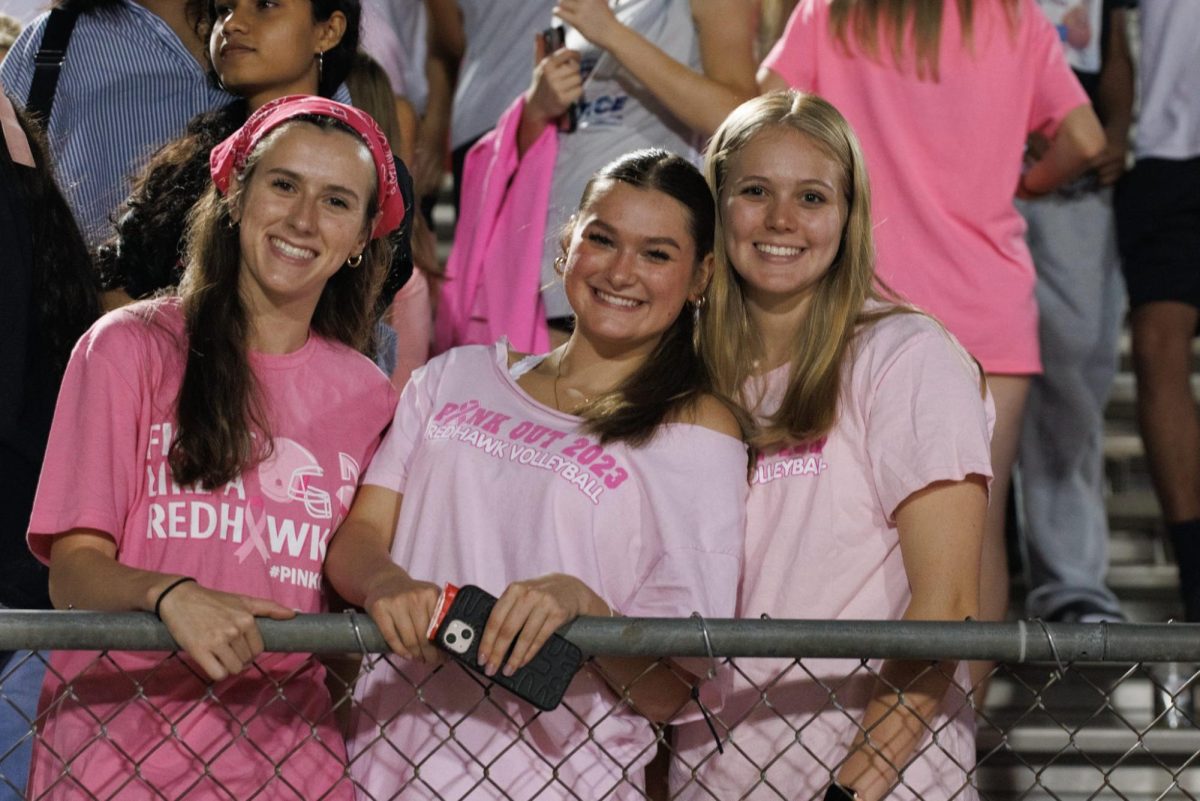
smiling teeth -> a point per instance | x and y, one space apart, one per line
779 250
616 300
292 250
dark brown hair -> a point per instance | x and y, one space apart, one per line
222 427
672 378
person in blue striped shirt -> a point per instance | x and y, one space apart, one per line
136 73
260 50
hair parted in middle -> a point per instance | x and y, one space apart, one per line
223 428
730 345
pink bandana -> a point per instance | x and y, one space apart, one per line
229 157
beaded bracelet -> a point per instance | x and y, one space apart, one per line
166 590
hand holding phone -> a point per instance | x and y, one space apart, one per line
459 620
553 39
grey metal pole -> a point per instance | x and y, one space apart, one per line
1018 642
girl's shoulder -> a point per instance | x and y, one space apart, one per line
144 322
711 412
898 338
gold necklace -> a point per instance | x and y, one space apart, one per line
557 376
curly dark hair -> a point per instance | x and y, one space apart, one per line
145 256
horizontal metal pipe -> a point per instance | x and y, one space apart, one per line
1017 642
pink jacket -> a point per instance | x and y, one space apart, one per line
493 276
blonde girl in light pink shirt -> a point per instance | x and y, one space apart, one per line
943 95
869 496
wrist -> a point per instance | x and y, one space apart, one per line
389 579
166 590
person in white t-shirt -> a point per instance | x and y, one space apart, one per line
869 495
1157 206
601 478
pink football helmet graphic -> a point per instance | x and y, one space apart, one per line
288 475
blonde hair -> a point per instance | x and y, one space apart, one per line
870 21
731 347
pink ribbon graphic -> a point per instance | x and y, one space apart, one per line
256 519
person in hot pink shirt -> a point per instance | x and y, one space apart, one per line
868 499
209 508
598 479
943 111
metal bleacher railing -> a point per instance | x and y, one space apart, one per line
1071 711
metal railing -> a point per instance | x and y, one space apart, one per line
1073 711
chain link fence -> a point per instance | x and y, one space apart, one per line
1071 712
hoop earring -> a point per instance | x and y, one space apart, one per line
320 67
560 264
354 261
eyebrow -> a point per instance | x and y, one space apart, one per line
816 181
295 176
652 240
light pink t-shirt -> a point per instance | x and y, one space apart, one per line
944 159
499 488
264 534
821 544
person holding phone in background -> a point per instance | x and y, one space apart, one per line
869 495
601 478
640 73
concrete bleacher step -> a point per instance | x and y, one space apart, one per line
1134 509
1134 778
1089 734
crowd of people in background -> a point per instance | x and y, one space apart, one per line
750 307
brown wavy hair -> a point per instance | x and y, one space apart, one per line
223 428
672 378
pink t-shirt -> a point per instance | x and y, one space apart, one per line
499 488
263 534
821 544
944 159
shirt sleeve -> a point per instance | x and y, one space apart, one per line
16 69
390 464
794 56
1056 89
90 474
695 487
927 419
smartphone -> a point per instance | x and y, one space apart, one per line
457 626
554 38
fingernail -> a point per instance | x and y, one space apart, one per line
509 670
490 670
481 658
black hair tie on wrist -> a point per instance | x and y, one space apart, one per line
166 590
